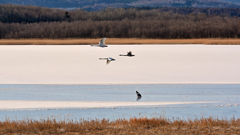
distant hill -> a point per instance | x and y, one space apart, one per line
232 1
92 5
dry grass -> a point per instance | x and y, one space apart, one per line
123 126
118 41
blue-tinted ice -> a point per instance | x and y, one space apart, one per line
226 95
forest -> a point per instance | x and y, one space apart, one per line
28 22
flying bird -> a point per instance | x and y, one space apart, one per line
109 59
128 54
101 43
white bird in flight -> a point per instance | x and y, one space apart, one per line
101 43
109 59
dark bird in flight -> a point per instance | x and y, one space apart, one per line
128 54
109 59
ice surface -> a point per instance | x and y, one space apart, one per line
119 101
204 77
72 64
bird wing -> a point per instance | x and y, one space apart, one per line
111 58
102 41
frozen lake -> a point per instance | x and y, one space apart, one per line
70 82
72 64
188 101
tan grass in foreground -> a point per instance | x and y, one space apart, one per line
118 41
123 126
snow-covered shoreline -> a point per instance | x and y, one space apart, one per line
17 104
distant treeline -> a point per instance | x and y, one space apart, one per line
168 23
